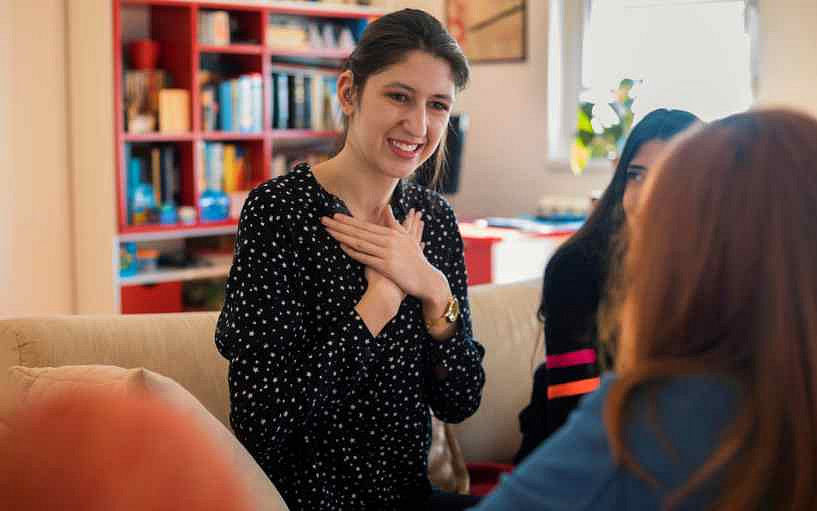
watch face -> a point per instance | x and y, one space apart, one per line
453 311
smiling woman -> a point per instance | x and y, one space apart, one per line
346 320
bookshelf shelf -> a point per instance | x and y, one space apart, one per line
158 137
163 275
221 59
233 49
158 232
230 136
310 53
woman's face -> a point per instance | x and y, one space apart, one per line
401 116
646 156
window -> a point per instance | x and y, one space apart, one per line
694 55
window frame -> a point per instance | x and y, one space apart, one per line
568 22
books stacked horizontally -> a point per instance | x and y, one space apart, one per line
296 32
214 28
305 99
234 105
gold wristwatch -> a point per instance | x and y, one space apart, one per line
451 314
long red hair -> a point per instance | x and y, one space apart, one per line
720 276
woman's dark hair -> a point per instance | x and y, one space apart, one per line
595 238
387 40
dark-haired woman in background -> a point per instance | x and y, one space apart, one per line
712 404
574 280
346 320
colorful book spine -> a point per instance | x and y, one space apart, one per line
257 103
234 105
225 103
230 169
282 102
245 104
297 102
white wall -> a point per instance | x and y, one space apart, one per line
90 101
788 53
36 275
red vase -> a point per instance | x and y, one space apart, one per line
144 54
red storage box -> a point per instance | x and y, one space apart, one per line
152 298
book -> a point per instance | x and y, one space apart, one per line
209 108
245 103
236 117
282 101
221 28
156 174
230 169
214 28
297 99
174 110
225 106
307 115
317 105
169 181
257 103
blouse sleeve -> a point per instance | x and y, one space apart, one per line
279 377
456 377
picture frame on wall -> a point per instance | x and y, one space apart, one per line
489 30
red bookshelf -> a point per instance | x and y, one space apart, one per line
174 24
190 56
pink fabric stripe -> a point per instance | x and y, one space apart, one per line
573 358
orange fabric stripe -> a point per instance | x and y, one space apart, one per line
573 388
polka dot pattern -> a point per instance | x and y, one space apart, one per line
338 418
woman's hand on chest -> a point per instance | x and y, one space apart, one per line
392 249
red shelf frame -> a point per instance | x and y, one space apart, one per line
233 49
175 24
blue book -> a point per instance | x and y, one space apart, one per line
282 102
134 178
225 104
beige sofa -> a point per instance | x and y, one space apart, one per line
180 347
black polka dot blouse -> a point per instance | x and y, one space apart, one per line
338 418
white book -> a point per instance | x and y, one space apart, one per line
245 104
316 122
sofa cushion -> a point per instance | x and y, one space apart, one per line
41 383
505 323
179 346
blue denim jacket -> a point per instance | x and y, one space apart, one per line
574 468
